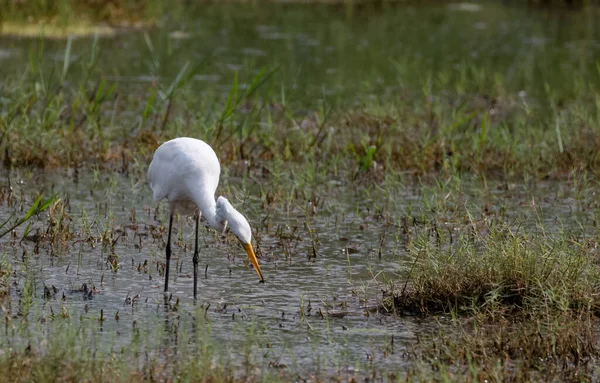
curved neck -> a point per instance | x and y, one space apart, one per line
208 207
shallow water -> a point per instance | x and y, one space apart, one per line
311 310
332 283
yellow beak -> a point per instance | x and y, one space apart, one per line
252 256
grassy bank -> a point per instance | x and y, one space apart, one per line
562 348
65 12
493 268
515 298
465 129
440 103
62 18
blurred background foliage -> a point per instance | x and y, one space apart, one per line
132 11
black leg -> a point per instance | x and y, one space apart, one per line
195 259
168 254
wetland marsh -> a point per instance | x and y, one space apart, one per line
421 182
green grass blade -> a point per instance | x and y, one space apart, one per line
33 208
67 58
175 84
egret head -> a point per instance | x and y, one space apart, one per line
240 227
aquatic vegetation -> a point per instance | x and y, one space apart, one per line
421 182
438 113
69 356
496 268
561 348
4 276
515 295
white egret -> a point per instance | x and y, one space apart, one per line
186 172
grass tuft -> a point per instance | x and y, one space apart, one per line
562 349
496 269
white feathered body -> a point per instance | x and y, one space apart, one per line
186 172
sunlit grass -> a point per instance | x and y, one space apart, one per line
459 117
75 349
493 268
51 31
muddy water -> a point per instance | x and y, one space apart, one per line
317 305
